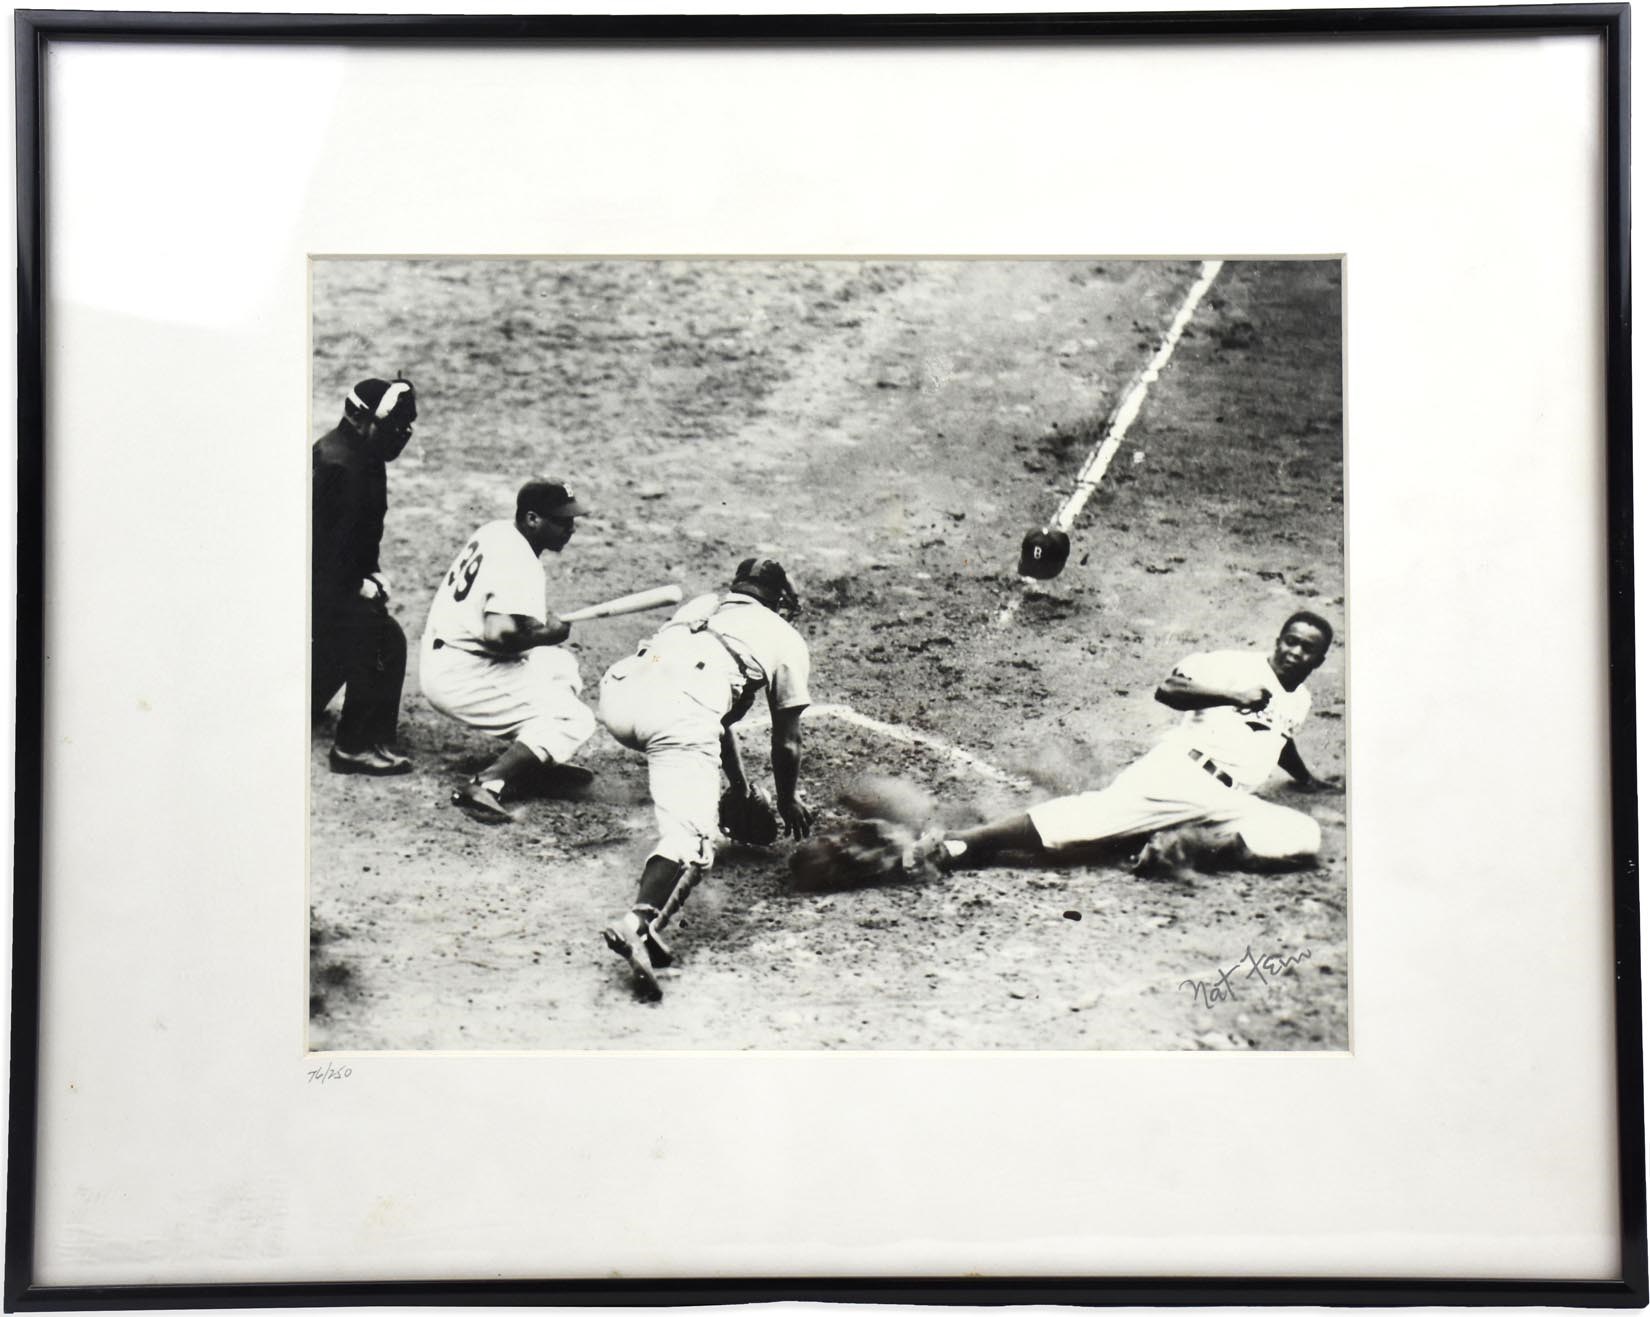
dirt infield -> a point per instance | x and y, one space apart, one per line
889 431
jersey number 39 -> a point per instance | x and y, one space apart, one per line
464 572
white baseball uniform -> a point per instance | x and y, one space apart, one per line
672 697
532 696
1203 772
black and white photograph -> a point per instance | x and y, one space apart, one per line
763 653
825 658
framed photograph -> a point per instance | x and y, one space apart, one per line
959 659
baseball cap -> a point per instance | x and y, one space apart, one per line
548 498
379 400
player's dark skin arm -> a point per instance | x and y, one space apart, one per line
787 767
1180 692
1290 761
511 633
732 764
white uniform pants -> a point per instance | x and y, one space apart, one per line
674 716
1167 789
534 698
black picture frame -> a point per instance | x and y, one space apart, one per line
36 30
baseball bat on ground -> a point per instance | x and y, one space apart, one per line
658 597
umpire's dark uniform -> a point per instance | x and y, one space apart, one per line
355 643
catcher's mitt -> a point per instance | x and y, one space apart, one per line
748 816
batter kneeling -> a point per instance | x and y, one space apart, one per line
489 656
677 699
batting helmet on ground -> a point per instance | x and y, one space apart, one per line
1043 553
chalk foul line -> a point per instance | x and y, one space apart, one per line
906 736
1093 470
952 754
1099 459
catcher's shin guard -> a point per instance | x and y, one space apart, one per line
686 881
658 950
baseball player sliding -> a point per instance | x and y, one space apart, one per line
1192 795
490 656
677 699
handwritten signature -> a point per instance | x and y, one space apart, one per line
323 1074
1223 987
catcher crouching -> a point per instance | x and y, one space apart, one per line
677 700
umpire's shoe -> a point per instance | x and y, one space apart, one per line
373 761
627 937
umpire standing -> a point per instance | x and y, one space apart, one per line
354 642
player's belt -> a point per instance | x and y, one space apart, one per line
497 658
1208 766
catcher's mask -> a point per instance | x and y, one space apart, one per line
388 405
765 581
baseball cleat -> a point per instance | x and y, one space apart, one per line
658 953
481 803
627 939
372 761
1164 856
927 854
565 777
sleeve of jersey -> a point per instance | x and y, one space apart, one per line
1303 710
788 682
517 588
696 609
1204 669
325 519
